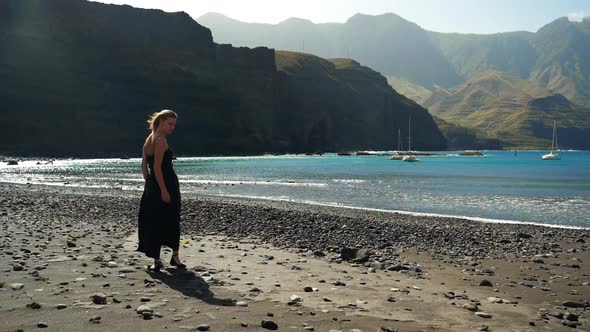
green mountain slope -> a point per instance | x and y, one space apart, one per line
555 57
79 78
513 110
563 64
413 91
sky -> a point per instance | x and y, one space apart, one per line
462 16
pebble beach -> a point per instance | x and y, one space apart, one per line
68 263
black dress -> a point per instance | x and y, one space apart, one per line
159 222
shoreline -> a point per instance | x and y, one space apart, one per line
310 203
365 270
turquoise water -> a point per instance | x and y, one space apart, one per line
497 186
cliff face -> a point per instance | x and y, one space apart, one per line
345 106
80 78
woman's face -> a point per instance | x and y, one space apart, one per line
168 125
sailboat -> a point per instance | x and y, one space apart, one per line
397 156
410 157
552 155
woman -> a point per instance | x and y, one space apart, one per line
159 210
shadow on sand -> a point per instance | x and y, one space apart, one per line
189 284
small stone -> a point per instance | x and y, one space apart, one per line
470 307
308 289
573 304
243 324
203 327
60 306
99 298
492 299
143 308
485 283
296 298
269 325
95 320
71 244
483 314
571 317
241 304
34 305
42 325
17 286
112 264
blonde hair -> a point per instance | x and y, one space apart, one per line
155 118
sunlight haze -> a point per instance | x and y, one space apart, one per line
462 16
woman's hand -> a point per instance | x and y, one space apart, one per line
165 197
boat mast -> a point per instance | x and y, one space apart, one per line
409 134
553 137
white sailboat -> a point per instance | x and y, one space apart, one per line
397 156
552 155
410 157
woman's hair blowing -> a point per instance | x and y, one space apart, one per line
155 118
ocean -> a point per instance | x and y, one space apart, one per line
497 187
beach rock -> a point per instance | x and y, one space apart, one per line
143 308
17 267
485 283
319 253
470 307
492 299
71 244
574 304
42 325
60 306
242 304
16 286
203 327
483 314
95 320
397 267
571 317
269 325
296 298
99 298
524 236
34 305
308 289
355 254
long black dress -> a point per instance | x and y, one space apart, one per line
159 222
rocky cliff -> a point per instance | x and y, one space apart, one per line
80 78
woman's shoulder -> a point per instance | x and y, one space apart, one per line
160 143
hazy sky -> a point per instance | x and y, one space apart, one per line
464 16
